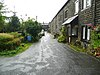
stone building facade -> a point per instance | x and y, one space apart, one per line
63 14
86 20
67 12
97 11
79 16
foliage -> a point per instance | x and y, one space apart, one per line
33 27
12 44
95 40
5 37
15 34
62 37
2 18
22 26
63 30
14 24
79 49
20 49
8 41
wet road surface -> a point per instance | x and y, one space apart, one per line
48 57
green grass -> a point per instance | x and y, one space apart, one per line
20 49
77 48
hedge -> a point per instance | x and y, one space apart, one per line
4 37
15 34
9 42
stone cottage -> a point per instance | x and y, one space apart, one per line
67 16
79 17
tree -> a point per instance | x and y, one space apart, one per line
14 24
33 27
2 18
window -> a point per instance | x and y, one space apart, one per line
75 31
83 32
88 3
82 4
76 6
85 4
66 13
88 34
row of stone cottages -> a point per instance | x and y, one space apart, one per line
79 17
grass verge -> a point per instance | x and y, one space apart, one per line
20 49
77 49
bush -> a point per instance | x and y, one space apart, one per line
61 38
8 42
15 34
9 45
95 41
33 27
5 37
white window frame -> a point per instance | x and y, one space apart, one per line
84 32
88 34
76 6
86 4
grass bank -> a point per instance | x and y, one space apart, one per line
20 49
78 49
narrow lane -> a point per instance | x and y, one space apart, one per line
48 57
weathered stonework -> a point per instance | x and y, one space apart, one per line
97 12
60 16
87 18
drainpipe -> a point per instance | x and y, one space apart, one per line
94 12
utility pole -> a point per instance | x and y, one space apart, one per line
36 18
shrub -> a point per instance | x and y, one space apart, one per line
62 38
95 41
14 43
8 42
33 27
5 37
9 45
15 34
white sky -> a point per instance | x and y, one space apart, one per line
45 10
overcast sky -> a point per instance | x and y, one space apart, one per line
45 10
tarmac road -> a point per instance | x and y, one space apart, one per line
48 57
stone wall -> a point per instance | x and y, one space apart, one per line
86 16
97 12
59 19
